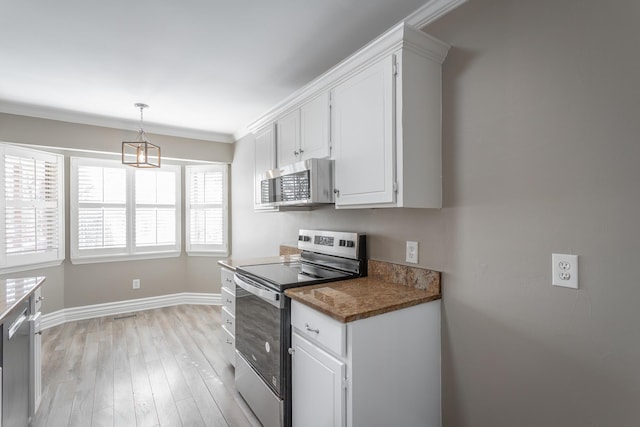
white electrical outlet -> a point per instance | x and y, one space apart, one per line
564 270
136 283
412 252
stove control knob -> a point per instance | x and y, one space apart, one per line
350 243
342 243
303 238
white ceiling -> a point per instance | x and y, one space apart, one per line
207 68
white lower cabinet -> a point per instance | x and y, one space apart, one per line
228 315
379 371
319 397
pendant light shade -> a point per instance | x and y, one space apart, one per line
140 153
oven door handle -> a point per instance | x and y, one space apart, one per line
272 297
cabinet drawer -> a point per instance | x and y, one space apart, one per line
229 346
226 277
228 320
228 300
318 327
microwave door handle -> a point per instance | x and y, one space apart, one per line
272 297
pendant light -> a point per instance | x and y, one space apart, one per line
140 153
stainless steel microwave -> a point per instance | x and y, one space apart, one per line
305 183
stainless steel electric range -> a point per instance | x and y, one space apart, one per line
263 316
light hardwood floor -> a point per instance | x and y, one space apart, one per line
161 367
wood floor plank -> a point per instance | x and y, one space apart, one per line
104 418
165 404
178 384
81 409
145 407
205 403
189 413
134 347
124 413
145 336
62 404
103 397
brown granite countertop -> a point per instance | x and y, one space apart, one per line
15 291
389 287
232 263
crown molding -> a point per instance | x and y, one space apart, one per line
110 122
406 32
400 35
431 11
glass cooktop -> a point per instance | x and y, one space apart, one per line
288 275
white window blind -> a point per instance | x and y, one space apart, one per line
32 220
155 208
120 213
207 209
102 208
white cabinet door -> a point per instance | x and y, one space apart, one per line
288 138
319 398
363 136
315 128
265 158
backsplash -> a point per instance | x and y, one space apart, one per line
405 275
289 250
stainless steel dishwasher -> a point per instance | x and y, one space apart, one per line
15 367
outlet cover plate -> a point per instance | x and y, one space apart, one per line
412 252
564 270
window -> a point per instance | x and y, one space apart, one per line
32 219
122 213
207 210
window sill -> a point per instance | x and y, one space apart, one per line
221 254
123 257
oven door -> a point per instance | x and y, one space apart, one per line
262 337
260 330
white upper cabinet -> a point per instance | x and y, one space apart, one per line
265 159
363 136
315 128
288 138
304 133
387 128
378 114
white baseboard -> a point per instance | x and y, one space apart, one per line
120 307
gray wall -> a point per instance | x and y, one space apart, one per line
72 285
541 124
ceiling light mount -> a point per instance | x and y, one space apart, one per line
140 153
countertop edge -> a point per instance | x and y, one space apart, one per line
354 299
231 264
363 314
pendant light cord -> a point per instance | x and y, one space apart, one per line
141 106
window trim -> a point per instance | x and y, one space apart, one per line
33 261
130 252
204 249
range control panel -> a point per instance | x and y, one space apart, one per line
339 243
